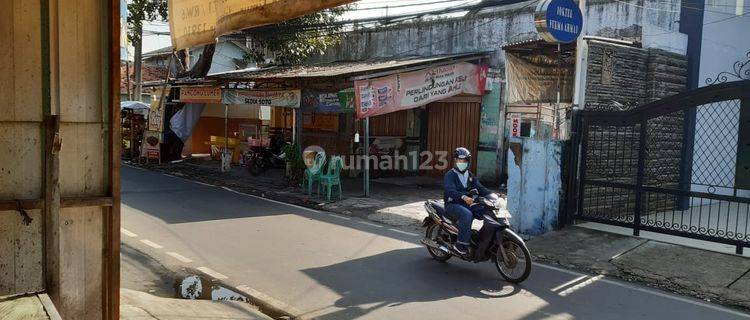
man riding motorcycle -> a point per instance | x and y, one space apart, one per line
458 204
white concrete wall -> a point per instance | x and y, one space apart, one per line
725 42
726 37
508 24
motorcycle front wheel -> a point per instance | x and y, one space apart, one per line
517 267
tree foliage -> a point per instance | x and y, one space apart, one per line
293 41
144 10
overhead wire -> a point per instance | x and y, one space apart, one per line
672 11
705 24
462 32
418 4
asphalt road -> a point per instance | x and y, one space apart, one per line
335 267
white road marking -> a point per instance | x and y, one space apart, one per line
200 183
271 200
128 233
340 216
213 273
370 224
180 257
652 292
134 167
194 181
404 232
152 244
568 283
579 286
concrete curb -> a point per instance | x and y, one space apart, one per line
268 305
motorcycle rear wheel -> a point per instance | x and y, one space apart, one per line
434 232
518 266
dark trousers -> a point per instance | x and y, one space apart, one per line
464 215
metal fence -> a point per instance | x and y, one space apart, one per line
678 166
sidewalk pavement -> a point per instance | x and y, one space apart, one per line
712 276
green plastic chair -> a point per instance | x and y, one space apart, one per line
332 178
313 174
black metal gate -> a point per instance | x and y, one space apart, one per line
679 166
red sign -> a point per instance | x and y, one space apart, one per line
515 124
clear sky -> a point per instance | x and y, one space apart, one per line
364 9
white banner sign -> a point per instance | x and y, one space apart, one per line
198 22
276 98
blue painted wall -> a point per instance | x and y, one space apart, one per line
534 184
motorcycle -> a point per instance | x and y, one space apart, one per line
495 241
260 159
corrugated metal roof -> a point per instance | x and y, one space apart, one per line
522 42
339 69
537 46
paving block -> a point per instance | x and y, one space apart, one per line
689 267
742 287
582 248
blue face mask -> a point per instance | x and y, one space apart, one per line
461 166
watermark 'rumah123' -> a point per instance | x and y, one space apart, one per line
425 160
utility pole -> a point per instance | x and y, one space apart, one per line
127 77
138 44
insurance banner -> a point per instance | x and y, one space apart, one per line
415 89
199 22
271 98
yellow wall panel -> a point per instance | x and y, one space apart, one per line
83 159
20 160
20 53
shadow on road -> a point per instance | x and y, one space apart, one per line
429 281
187 202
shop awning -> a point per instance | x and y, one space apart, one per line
351 70
535 68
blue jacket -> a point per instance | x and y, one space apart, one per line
454 189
